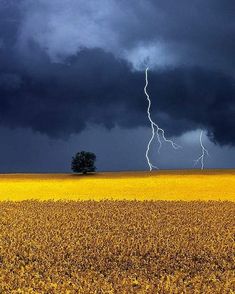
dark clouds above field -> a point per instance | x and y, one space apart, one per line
67 65
166 32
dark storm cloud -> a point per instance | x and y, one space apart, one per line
10 19
93 81
165 32
95 87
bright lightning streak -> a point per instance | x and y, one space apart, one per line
155 129
204 152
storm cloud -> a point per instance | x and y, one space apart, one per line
69 64
157 32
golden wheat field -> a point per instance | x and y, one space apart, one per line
117 244
159 185
117 247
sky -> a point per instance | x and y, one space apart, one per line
72 77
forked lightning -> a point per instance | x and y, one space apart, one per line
204 152
156 130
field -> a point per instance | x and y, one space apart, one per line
107 246
117 247
164 185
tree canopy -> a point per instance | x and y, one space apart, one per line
83 162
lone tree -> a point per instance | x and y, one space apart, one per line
83 162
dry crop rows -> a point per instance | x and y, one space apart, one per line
117 247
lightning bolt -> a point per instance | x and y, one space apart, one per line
204 153
160 133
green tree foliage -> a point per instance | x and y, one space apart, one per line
83 162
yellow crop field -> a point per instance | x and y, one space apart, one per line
129 241
117 247
159 185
